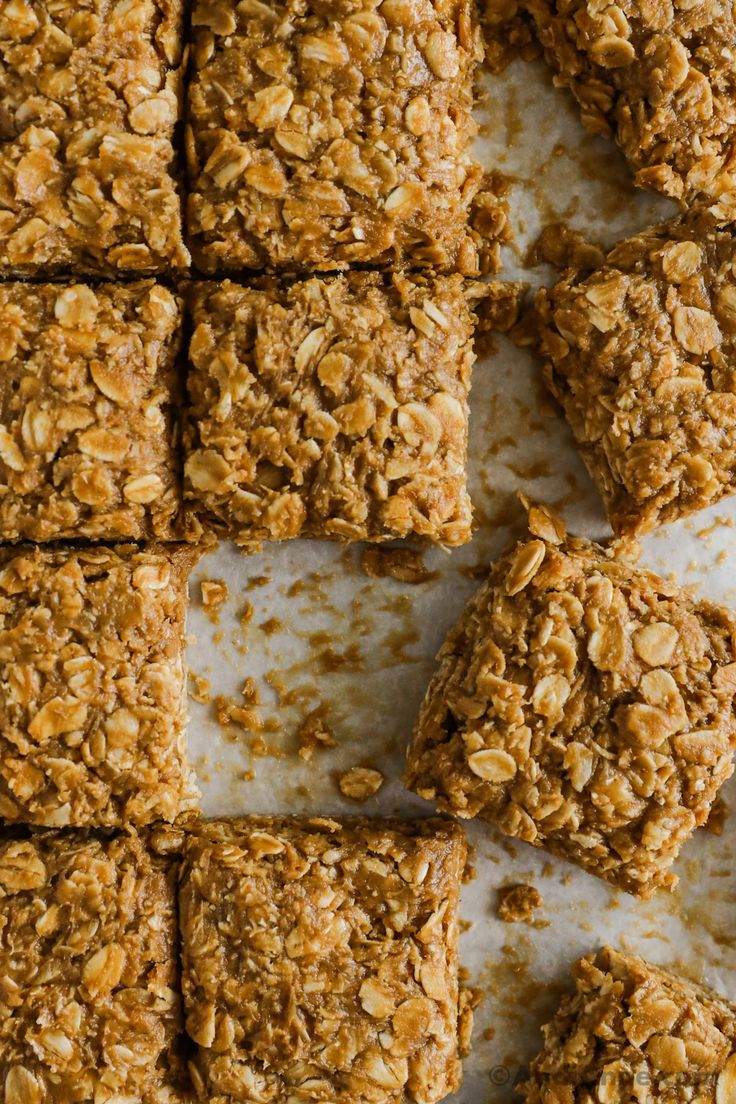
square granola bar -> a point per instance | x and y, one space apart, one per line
641 354
659 78
331 408
327 133
582 705
88 420
92 685
633 1031
89 1008
90 93
320 960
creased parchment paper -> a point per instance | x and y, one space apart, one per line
320 634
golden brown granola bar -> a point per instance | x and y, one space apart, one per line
659 78
582 705
641 353
92 685
331 408
90 93
633 1031
88 419
320 960
89 1009
322 135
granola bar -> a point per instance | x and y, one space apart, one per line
641 353
582 705
323 135
330 408
633 1031
89 1008
92 685
320 960
660 79
88 420
90 96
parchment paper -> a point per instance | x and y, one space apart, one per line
323 634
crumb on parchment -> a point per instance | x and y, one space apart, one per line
518 903
564 247
230 712
361 783
215 593
314 732
199 688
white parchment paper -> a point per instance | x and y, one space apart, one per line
323 635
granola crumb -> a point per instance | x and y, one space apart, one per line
230 713
199 688
470 873
497 307
250 692
314 733
403 564
271 626
489 222
215 593
360 783
259 747
257 582
518 903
